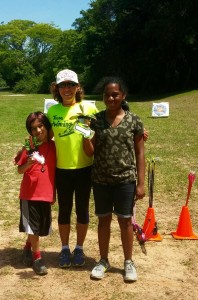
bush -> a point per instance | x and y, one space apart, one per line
31 85
2 83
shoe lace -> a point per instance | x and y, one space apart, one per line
65 253
39 263
130 265
101 263
78 252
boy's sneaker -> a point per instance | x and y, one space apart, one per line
100 269
27 257
39 267
65 258
130 271
78 258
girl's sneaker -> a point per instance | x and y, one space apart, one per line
65 258
78 258
100 269
39 267
130 271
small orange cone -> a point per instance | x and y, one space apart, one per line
184 228
150 226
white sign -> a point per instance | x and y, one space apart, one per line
48 103
160 109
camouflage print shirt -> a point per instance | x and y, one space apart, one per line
114 156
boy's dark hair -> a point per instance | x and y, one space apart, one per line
41 117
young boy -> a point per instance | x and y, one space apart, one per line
37 191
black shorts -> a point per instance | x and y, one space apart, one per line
35 217
117 198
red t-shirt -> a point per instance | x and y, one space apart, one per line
37 185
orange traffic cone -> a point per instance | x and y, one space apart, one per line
150 226
184 228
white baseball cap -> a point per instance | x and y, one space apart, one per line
66 75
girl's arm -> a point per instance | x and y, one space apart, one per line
146 134
17 156
140 165
23 168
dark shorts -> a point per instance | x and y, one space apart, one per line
68 183
118 199
35 217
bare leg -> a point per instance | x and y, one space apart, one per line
81 233
126 229
64 231
28 239
104 231
34 239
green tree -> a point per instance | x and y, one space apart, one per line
24 46
151 44
97 28
40 40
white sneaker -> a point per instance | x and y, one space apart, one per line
130 271
99 270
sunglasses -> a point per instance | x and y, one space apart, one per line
66 84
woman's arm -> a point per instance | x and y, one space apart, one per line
88 146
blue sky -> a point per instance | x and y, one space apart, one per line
60 12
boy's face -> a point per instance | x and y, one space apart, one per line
39 131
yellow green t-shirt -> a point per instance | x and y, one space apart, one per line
69 144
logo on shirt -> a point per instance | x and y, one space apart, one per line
68 126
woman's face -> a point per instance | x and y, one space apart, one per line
112 96
39 131
67 90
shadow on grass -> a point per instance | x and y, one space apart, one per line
13 257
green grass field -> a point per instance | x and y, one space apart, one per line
172 142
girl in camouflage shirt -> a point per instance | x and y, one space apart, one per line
118 173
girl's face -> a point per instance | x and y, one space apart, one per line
68 91
113 97
39 131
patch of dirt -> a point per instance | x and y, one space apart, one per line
168 271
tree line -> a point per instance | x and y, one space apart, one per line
151 44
